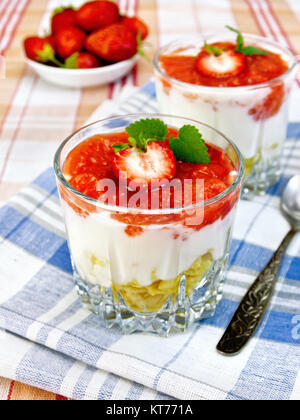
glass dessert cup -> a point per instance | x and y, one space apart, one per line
149 270
255 117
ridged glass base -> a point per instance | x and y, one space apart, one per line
178 313
263 175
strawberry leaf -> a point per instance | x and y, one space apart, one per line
189 146
61 9
140 49
71 62
48 54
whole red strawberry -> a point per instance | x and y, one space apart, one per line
82 60
39 49
63 18
68 41
113 43
97 14
136 25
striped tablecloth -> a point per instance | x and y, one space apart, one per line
35 118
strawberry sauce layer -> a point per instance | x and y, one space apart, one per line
91 162
259 69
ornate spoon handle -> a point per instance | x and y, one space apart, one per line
254 305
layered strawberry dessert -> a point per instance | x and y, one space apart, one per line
240 86
148 209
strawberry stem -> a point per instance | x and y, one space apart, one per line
48 55
140 50
213 50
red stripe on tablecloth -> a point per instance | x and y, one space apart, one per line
279 26
61 398
7 21
135 75
3 9
268 14
16 132
12 384
257 21
134 72
125 79
266 19
136 7
6 14
14 29
111 86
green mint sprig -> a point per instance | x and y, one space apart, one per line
143 132
250 50
189 146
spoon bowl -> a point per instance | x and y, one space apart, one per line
253 307
290 202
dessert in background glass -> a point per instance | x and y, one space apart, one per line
247 107
148 267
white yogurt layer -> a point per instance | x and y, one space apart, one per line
104 254
227 110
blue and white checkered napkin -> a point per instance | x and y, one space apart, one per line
48 340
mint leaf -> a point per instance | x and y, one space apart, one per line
240 38
213 50
250 50
119 147
146 131
253 51
189 146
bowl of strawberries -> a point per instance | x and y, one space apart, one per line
89 46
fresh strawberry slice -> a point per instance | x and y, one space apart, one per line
65 18
39 49
82 60
97 14
113 43
136 25
228 64
135 167
69 41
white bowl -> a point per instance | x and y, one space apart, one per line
79 78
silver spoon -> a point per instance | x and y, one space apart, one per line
252 309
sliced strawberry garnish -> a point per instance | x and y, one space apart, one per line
140 168
228 64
